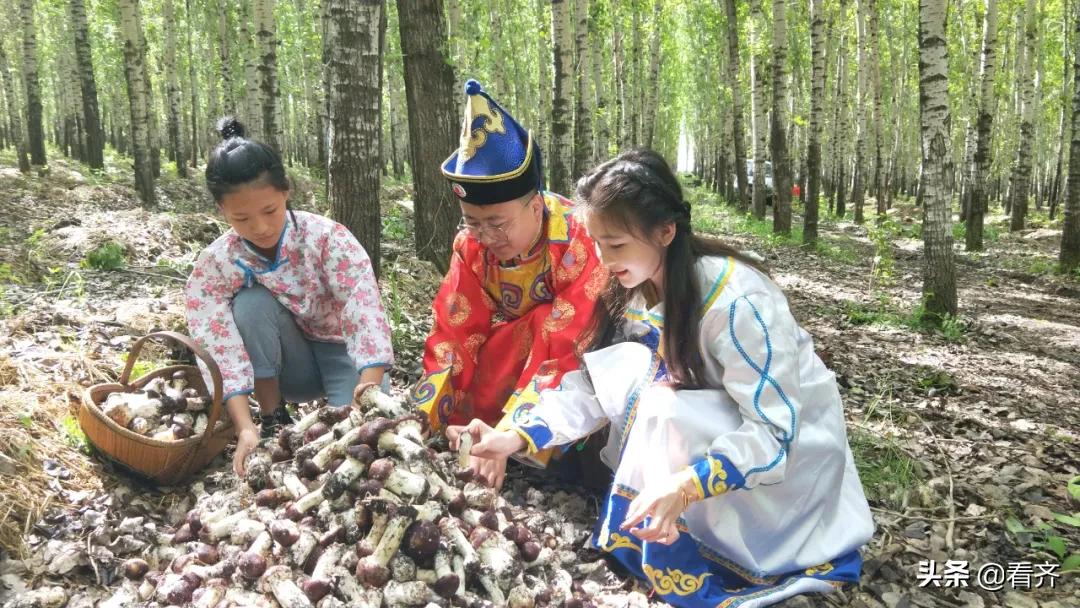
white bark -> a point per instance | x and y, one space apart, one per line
562 141
939 275
757 109
139 98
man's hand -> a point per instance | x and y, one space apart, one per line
246 440
490 449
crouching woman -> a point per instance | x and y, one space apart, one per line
285 301
734 484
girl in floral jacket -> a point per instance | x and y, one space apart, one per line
286 301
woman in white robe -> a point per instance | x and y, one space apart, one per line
733 482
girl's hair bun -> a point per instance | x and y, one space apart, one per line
229 127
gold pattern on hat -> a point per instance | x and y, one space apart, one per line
473 139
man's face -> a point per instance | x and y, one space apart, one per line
506 229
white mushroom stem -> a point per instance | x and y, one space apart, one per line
440 488
216 515
311 448
520 597
396 444
347 472
206 573
302 425
246 531
278 580
238 596
336 448
261 545
411 429
428 577
429 511
561 585
224 527
465 443
355 595
451 529
405 483
458 564
499 554
478 496
293 485
542 559
385 404
379 519
412 593
124 596
391 538
303 547
309 501
491 584
327 561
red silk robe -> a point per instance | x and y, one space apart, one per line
502 334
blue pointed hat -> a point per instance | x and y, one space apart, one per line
496 160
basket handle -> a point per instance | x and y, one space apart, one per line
215 373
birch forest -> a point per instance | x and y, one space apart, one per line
909 170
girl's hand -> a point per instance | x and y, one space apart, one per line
246 440
663 505
490 449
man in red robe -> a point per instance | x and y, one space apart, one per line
523 280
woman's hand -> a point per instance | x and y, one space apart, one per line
246 440
490 450
663 503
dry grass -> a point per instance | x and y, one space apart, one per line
37 421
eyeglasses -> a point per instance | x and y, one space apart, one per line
496 233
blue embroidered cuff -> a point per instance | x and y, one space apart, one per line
534 431
714 474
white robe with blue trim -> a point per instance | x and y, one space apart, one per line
785 512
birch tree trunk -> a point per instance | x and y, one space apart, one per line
34 131
562 140
973 238
840 121
252 108
649 109
781 164
1021 173
1070 230
95 137
139 99
429 93
874 56
858 187
635 83
193 88
817 99
225 32
738 143
601 113
583 149
757 109
355 32
172 89
14 116
266 33
939 274
623 134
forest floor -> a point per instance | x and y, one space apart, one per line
966 437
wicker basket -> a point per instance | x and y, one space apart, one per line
163 462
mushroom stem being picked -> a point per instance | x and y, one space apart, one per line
278 581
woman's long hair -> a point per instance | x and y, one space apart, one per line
638 191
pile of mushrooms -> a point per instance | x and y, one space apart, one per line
166 411
353 507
